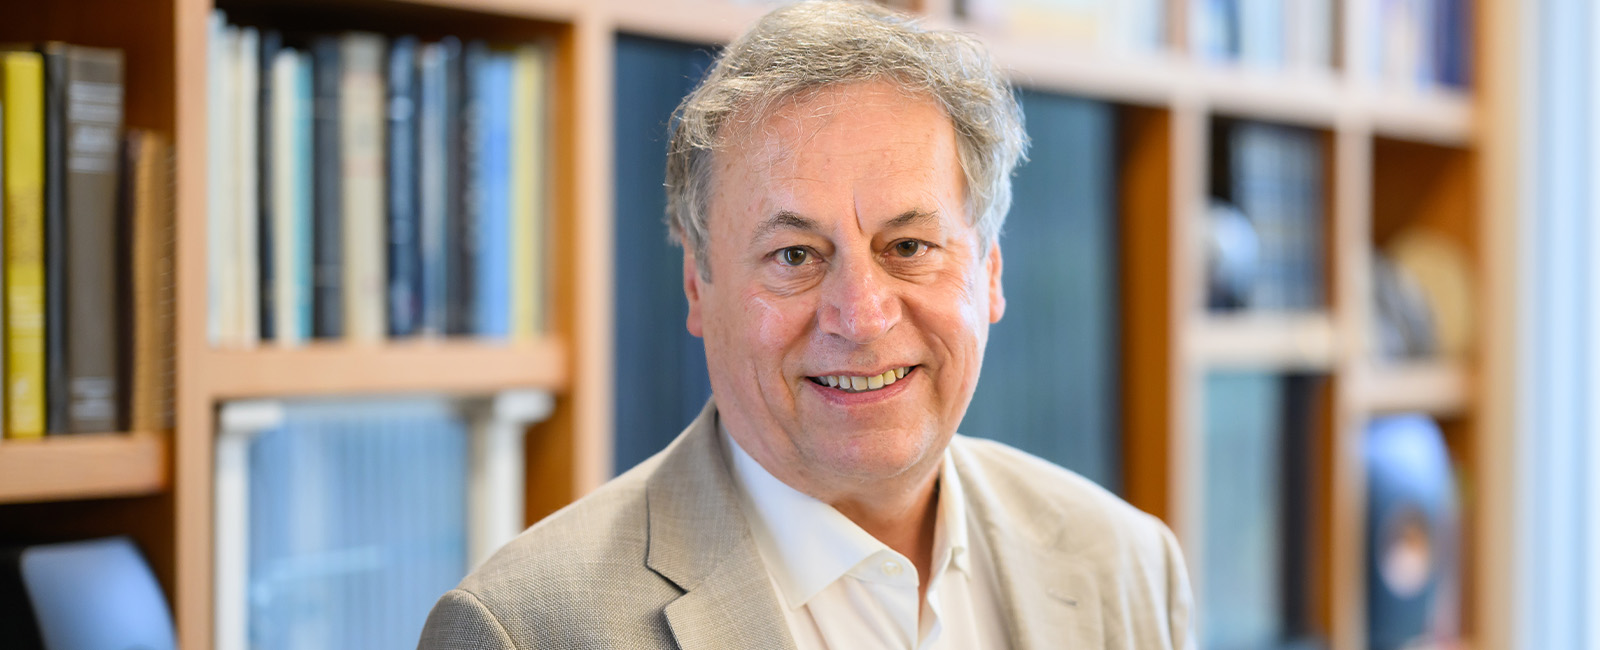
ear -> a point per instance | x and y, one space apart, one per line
691 290
997 296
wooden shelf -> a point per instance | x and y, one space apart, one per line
83 466
422 366
1434 387
1274 341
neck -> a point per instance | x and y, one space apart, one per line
904 522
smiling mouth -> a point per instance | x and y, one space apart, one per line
853 384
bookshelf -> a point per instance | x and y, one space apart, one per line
1393 158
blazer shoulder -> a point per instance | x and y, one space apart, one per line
1026 486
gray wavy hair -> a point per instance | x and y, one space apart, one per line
809 46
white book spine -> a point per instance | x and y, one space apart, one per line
362 132
247 198
285 240
219 201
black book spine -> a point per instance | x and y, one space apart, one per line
405 216
271 43
327 247
462 256
55 236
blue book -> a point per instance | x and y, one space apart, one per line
494 219
1051 371
661 379
1243 529
405 252
302 197
438 64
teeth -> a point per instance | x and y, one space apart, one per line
857 384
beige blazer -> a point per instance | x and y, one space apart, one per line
661 558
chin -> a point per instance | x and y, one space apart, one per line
877 454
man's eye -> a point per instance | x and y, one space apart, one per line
909 248
793 256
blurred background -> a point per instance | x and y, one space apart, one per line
310 305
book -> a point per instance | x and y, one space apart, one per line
437 126
22 98
266 59
1274 175
55 235
1051 368
528 180
404 212
93 127
219 182
660 372
149 296
461 258
492 275
1242 554
244 319
290 216
361 130
327 167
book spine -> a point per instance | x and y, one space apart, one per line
22 96
462 258
218 182
149 301
55 235
361 126
327 170
302 171
247 190
266 182
405 252
435 163
94 126
527 183
494 247
284 241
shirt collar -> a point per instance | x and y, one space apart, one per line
807 544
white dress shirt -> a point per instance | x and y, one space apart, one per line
840 588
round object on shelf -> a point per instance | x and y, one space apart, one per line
1232 254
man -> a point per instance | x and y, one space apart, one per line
838 182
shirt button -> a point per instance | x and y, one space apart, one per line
891 568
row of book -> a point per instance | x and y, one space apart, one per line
87 253
1418 43
1115 26
366 187
1266 229
1408 43
1268 35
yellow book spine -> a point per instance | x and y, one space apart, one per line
528 196
22 96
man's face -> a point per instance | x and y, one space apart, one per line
840 246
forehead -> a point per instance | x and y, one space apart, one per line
863 147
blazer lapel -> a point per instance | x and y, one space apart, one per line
1052 600
699 540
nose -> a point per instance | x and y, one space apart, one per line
859 302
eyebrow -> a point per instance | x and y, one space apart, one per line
791 220
913 217
784 220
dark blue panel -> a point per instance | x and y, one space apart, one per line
660 368
1050 382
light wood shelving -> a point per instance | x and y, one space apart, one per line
1287 342
1166 106
1439 388
83 466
